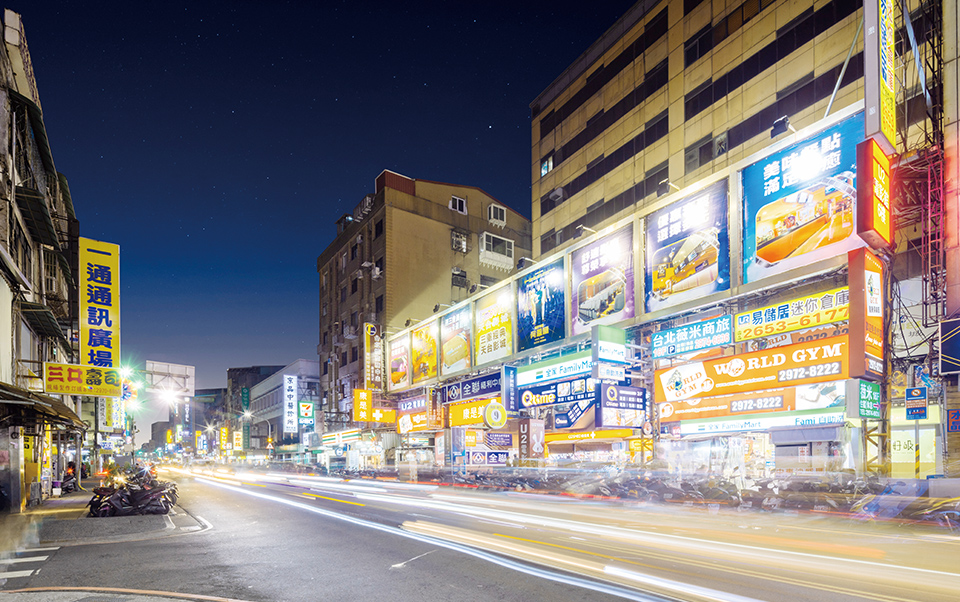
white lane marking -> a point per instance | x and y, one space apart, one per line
28 559
683 588
15 574
400 565
28 550
549 575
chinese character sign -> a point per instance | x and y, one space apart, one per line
814 310
602 282
70 379
494 327
798 203
455 342
689 338
372 357
424 351
99 303
688 250
540 306
289 394
399 362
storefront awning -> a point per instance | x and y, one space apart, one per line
802 436
25 407
33 207
42 320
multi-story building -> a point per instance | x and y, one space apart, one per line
408 249
684 106
276 417
38 291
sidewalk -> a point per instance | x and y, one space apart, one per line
63 521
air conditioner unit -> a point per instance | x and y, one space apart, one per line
375 273
32 430
359 238
556 194
358 274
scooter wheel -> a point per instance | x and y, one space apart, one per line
106 510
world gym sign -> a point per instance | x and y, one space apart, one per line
816 361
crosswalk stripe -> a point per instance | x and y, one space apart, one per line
28 559
15 574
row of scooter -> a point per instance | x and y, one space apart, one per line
135 491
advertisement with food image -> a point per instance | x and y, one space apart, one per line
455 341
399 362
425 351
687 249
602 282
798 203
814 361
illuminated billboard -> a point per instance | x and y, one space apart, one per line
687 249
798 203
399 357
874 218
99 303
455 337
602 282
424 351
540 306
494 327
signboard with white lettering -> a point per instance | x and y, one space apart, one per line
689 338
289 403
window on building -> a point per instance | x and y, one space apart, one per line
459 205
323 309
353 252
488 280
353 319
353 354
353 285
326 368
496 244
343 261
378 229
497 215
343 294
379 264
379 304
325 338
343 358
546 165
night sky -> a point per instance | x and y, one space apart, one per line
218 142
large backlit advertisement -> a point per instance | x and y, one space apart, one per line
540 306
817 396
494 328
424 351
99 303
455 341
798 204
688 250
815 361
602 282
399 362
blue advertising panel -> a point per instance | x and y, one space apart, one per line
916 403
619 406
602 282
693 337
950 346
499 439
798 203
569 418
487 385
688 250
953 421
563 392
508 388
540 306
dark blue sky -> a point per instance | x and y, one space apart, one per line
217 142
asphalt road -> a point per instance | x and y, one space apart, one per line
298 538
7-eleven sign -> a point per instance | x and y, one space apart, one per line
306 412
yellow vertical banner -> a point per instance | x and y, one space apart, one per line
99 303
